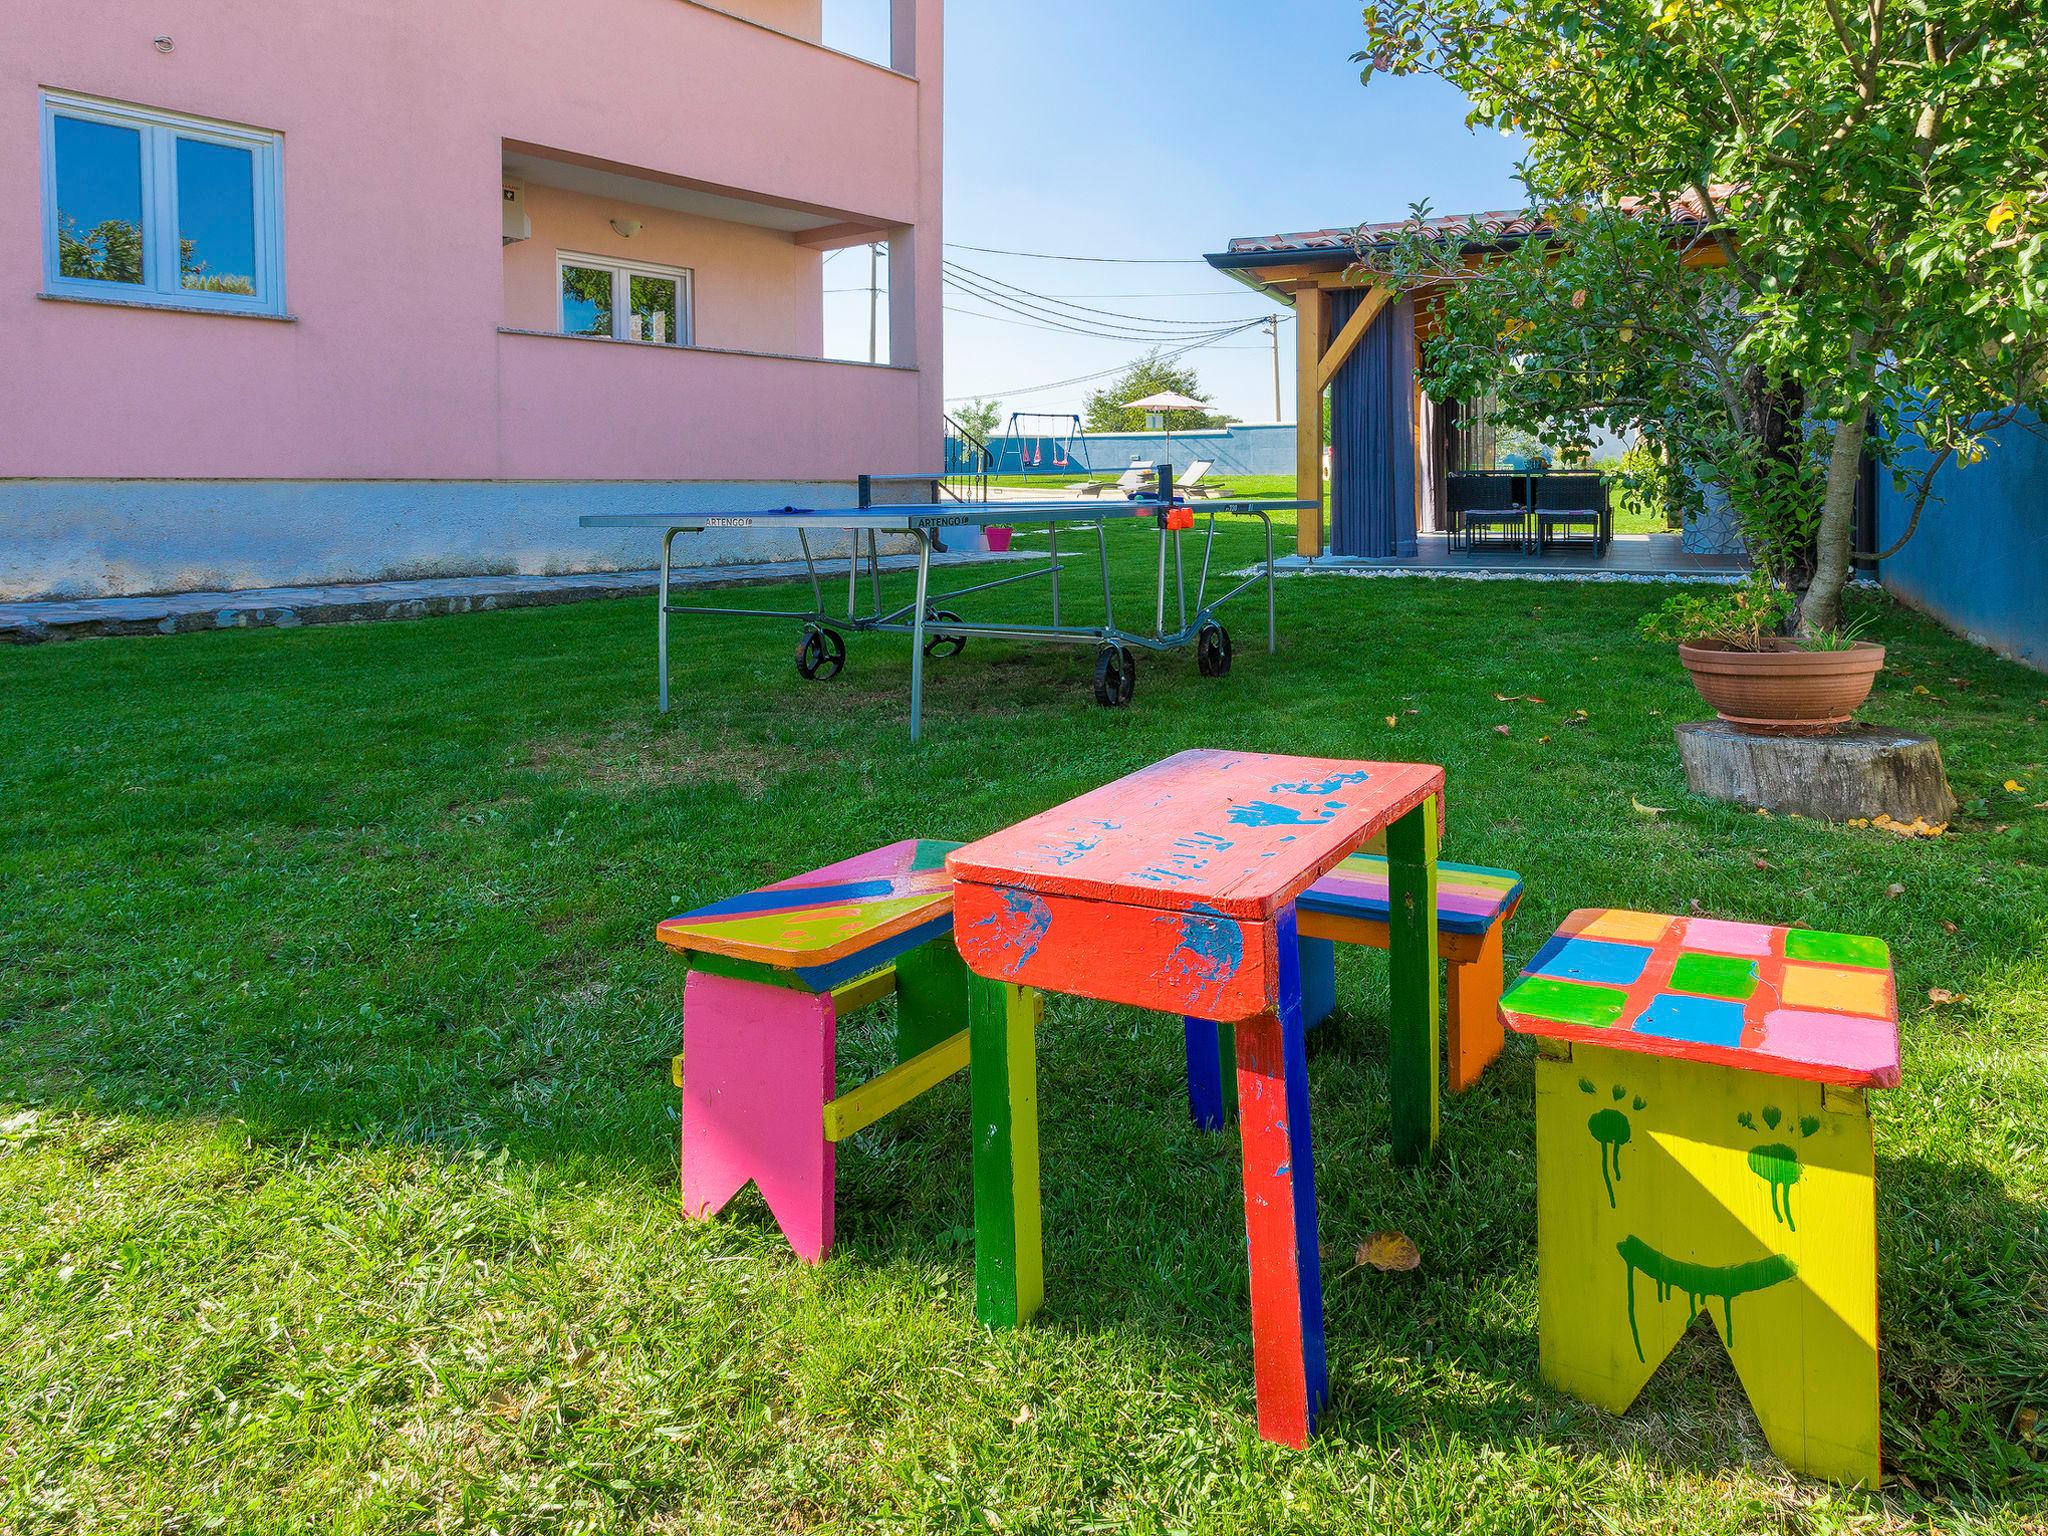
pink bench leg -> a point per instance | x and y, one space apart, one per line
757 1073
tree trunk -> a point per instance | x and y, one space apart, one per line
1821 608
1776 412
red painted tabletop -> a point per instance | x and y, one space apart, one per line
1237 834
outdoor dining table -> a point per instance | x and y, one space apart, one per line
1173 889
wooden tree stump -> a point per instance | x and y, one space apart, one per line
1858 771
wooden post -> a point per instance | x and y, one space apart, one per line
1309 311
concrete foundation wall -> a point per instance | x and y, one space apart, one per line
1979 560
85 538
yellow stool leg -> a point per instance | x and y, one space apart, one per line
1668 1187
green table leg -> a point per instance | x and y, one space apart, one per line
931 997
1002 1022
1412 977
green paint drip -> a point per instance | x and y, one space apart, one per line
1698 1281
1610 1128
1778 1166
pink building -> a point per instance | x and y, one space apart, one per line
374 288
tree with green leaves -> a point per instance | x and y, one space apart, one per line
1104 409
980 419
1870 174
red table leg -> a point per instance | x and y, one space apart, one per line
1280 1209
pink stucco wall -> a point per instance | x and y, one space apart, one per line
395 119
752 289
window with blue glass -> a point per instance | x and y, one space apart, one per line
142 206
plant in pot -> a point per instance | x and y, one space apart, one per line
1730 640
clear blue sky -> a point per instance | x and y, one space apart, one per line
1162 128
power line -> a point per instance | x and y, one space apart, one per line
1157 332
1046 299
1085 378
1128 261
1131 329
1061 330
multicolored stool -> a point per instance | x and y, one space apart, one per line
1703 1142
1349 905
771 974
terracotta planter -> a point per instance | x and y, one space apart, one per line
1785 688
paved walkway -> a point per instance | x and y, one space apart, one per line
1641 556
356 602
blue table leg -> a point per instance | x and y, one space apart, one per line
1212 1053
1280 1210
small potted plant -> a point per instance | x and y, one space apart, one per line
1754 676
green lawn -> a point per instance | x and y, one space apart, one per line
337 1145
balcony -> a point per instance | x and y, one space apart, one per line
658 327
860 29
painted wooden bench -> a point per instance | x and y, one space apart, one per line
1349 905
771 974
1703 1142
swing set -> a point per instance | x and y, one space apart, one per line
1042 443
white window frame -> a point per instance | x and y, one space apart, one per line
623 273
160 132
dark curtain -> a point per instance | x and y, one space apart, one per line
1372 434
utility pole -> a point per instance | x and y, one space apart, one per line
875 295
1273 330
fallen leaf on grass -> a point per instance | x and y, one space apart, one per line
1543 739
1023 1415
1940 995
2024 1421
1697 909
1763 813
1393 720
2015 787
1919 826
1949 927
1651 811
1389 1251
1895 890
1761 862
1501 730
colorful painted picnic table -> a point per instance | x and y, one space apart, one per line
1174 889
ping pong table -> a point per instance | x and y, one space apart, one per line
937 631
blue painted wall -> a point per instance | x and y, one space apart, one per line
1244 450
98 538
1979 559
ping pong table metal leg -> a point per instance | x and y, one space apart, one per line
924 577
1052 539
1159 612
668 541
1272 623
1102 554
1180 582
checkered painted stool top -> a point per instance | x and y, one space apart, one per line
1792 1001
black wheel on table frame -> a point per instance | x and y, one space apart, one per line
1116 676
943 645
820 654
1212 651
